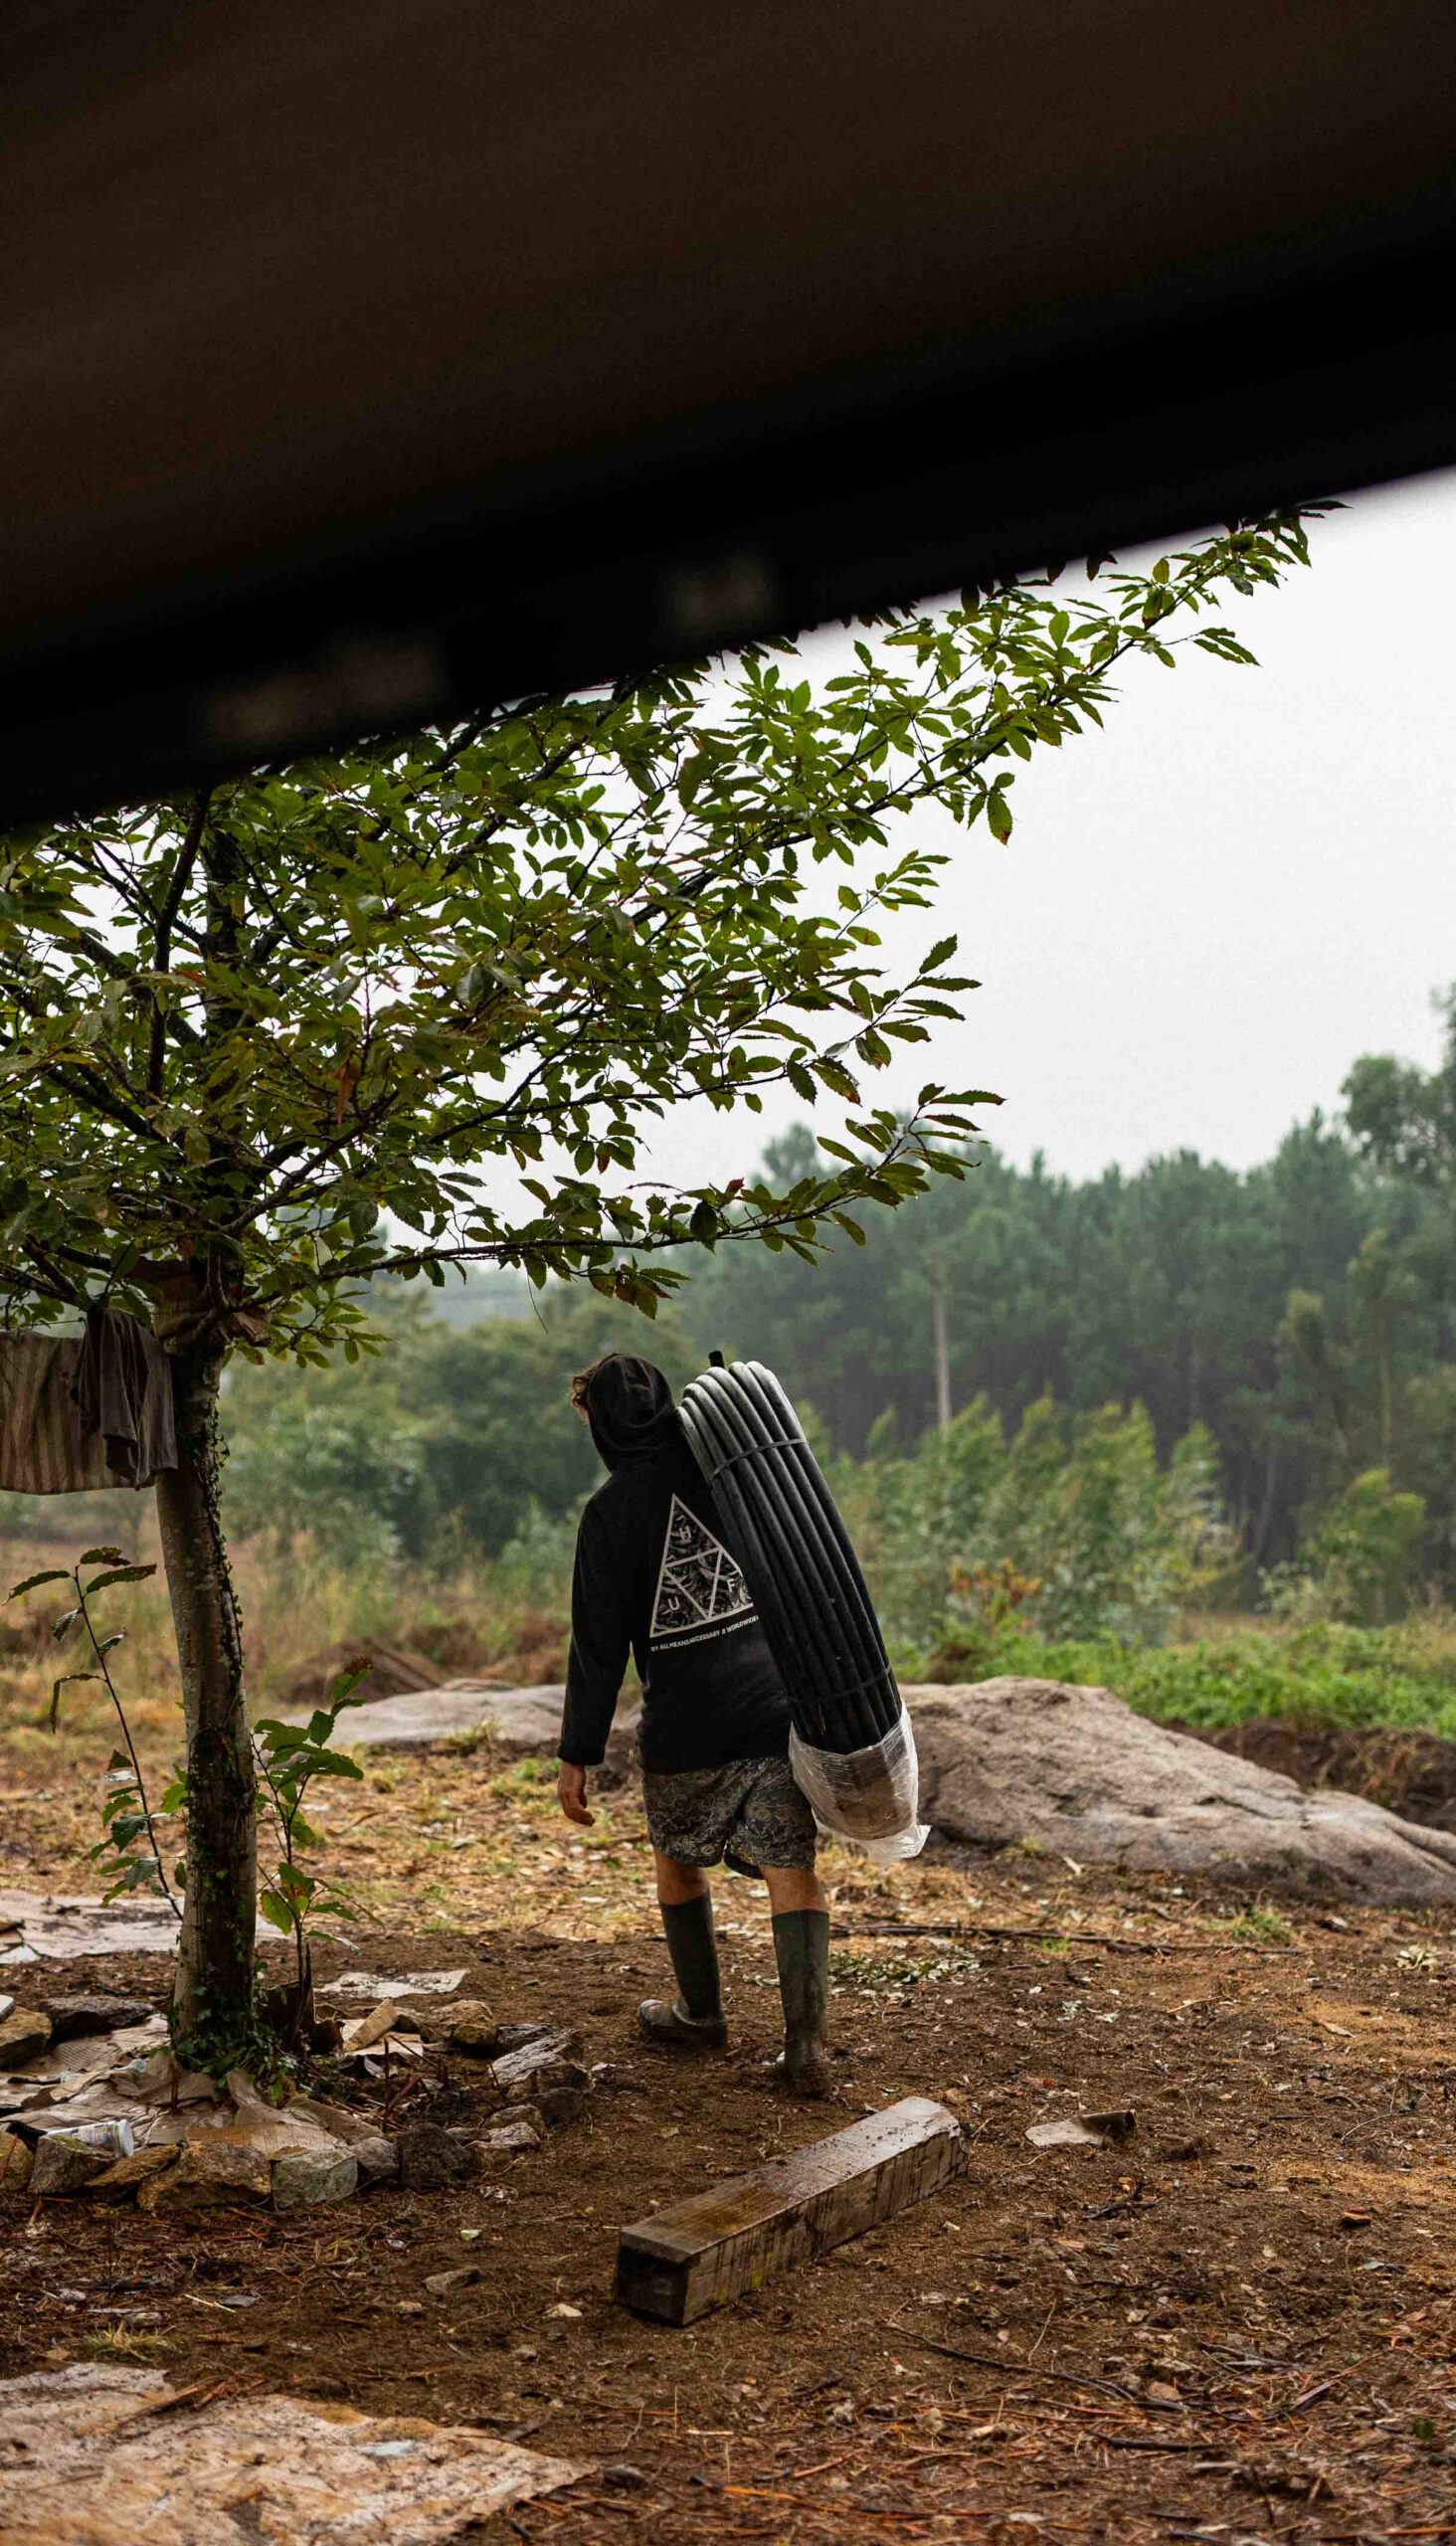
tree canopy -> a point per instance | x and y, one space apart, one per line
421 1004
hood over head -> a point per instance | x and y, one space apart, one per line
629 1410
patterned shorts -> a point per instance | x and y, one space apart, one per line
750 1811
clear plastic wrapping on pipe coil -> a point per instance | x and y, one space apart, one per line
868 1796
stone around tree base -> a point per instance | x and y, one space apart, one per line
60 2165
125 2180
210 2168
313 2176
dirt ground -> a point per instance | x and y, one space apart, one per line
1238 2324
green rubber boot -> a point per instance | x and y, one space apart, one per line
801 1952
693 2019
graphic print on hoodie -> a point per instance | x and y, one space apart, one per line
654 1579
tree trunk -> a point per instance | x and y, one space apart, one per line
940 1345
215 1969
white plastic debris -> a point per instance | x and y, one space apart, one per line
870 1797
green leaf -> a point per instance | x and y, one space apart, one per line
33 1581
276 1912
122 1573
65 1681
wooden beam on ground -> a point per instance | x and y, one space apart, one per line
707 2250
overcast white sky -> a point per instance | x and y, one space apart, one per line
1208 910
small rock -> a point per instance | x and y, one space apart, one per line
16 2161
24 2033
63 2165
524 2130
1158 2392
442 2285
511 2037
127 2177
431 2159
313 2175
624 2479
1083 2130
417 2016
552 2073
378 2160
513 2068
562 2309
73 2014
471 2027
412 2308
558 2106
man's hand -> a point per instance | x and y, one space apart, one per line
571 1792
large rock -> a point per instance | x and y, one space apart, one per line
75 2015
520 1723
1076 1771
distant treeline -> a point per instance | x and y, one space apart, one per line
1301 1313
1304 1312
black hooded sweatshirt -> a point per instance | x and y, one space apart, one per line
655 1578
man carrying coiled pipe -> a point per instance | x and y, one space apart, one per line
654 1579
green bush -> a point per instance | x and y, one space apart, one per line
1403 1675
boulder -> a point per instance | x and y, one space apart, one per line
1078 1773
24 2033
313 2175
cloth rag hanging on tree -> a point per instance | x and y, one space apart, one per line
80 1414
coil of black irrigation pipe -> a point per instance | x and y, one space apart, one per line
787 1533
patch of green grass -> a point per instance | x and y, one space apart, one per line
1257 1925
1402 1675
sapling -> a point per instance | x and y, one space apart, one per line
287 1756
